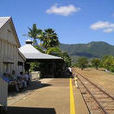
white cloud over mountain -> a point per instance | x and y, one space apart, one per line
62 10
105 26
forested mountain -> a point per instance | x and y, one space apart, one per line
90 50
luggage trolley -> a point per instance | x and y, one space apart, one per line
3 94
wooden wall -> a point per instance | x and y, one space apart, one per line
8 49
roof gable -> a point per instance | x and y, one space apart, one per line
5 23
3 20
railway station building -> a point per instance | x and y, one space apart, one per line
13 57
10 57
33 55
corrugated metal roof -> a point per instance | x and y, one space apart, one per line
32 53
3 20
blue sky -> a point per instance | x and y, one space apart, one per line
75 21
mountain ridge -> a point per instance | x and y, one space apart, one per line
94 49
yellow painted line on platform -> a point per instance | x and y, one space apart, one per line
72 105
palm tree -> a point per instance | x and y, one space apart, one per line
49 38
34 33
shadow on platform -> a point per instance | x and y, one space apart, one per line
29 110
37 85
34 85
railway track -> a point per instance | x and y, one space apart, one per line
96 97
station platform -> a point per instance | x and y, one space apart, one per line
52 97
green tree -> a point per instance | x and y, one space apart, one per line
35 33
95 62
108 63
34 66
54 51
82 62
66 58
49 39
57 52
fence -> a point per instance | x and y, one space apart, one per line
3 92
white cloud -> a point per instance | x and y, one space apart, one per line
105 26
108 30
99 25
62 10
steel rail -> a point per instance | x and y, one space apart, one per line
97 87
105 112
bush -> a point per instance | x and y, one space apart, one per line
82 63
95 62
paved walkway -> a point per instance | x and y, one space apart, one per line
55 97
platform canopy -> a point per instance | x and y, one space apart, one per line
31 53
